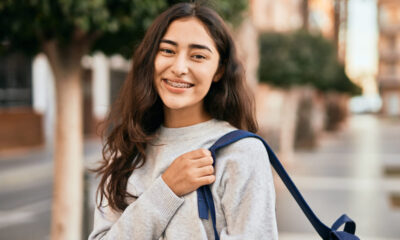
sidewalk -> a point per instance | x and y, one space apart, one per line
345 174
26 189
18 170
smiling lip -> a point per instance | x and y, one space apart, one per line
178 81
176 86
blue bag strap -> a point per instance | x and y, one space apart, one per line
349 225
206 204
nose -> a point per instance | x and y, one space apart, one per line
180 65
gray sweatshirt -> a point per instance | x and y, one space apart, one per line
243 192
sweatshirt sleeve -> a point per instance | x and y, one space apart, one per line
145 218
248 198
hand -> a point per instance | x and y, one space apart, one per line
190 171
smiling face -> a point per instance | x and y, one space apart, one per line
185 66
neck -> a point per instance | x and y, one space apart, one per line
184 117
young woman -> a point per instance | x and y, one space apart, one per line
186 89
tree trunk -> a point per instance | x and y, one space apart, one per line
68 164
288 125
68 170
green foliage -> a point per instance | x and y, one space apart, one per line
117 25
130 24
230 11
300 58
25 24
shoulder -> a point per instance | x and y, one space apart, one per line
247 153
242 162
246 144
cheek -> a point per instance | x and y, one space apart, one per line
160 64
207 73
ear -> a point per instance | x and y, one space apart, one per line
220 72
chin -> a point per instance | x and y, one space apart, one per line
175 102
174 106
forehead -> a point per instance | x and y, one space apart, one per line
187 31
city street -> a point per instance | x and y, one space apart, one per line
345 174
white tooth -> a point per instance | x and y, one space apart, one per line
178 84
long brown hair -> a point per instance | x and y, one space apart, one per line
138 111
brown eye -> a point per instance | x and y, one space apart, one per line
199 57
166 51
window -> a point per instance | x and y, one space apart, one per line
393 104
15 81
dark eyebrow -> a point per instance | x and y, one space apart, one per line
169 42
198 46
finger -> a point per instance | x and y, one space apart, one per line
205 171
202 162
206 180
196 154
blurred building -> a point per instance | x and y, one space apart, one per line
270 15
328 17
389 56
27 97
20 125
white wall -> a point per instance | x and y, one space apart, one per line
44 95
100 85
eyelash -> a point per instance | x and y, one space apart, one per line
169 51
199 57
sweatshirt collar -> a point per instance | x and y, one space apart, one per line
189 132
